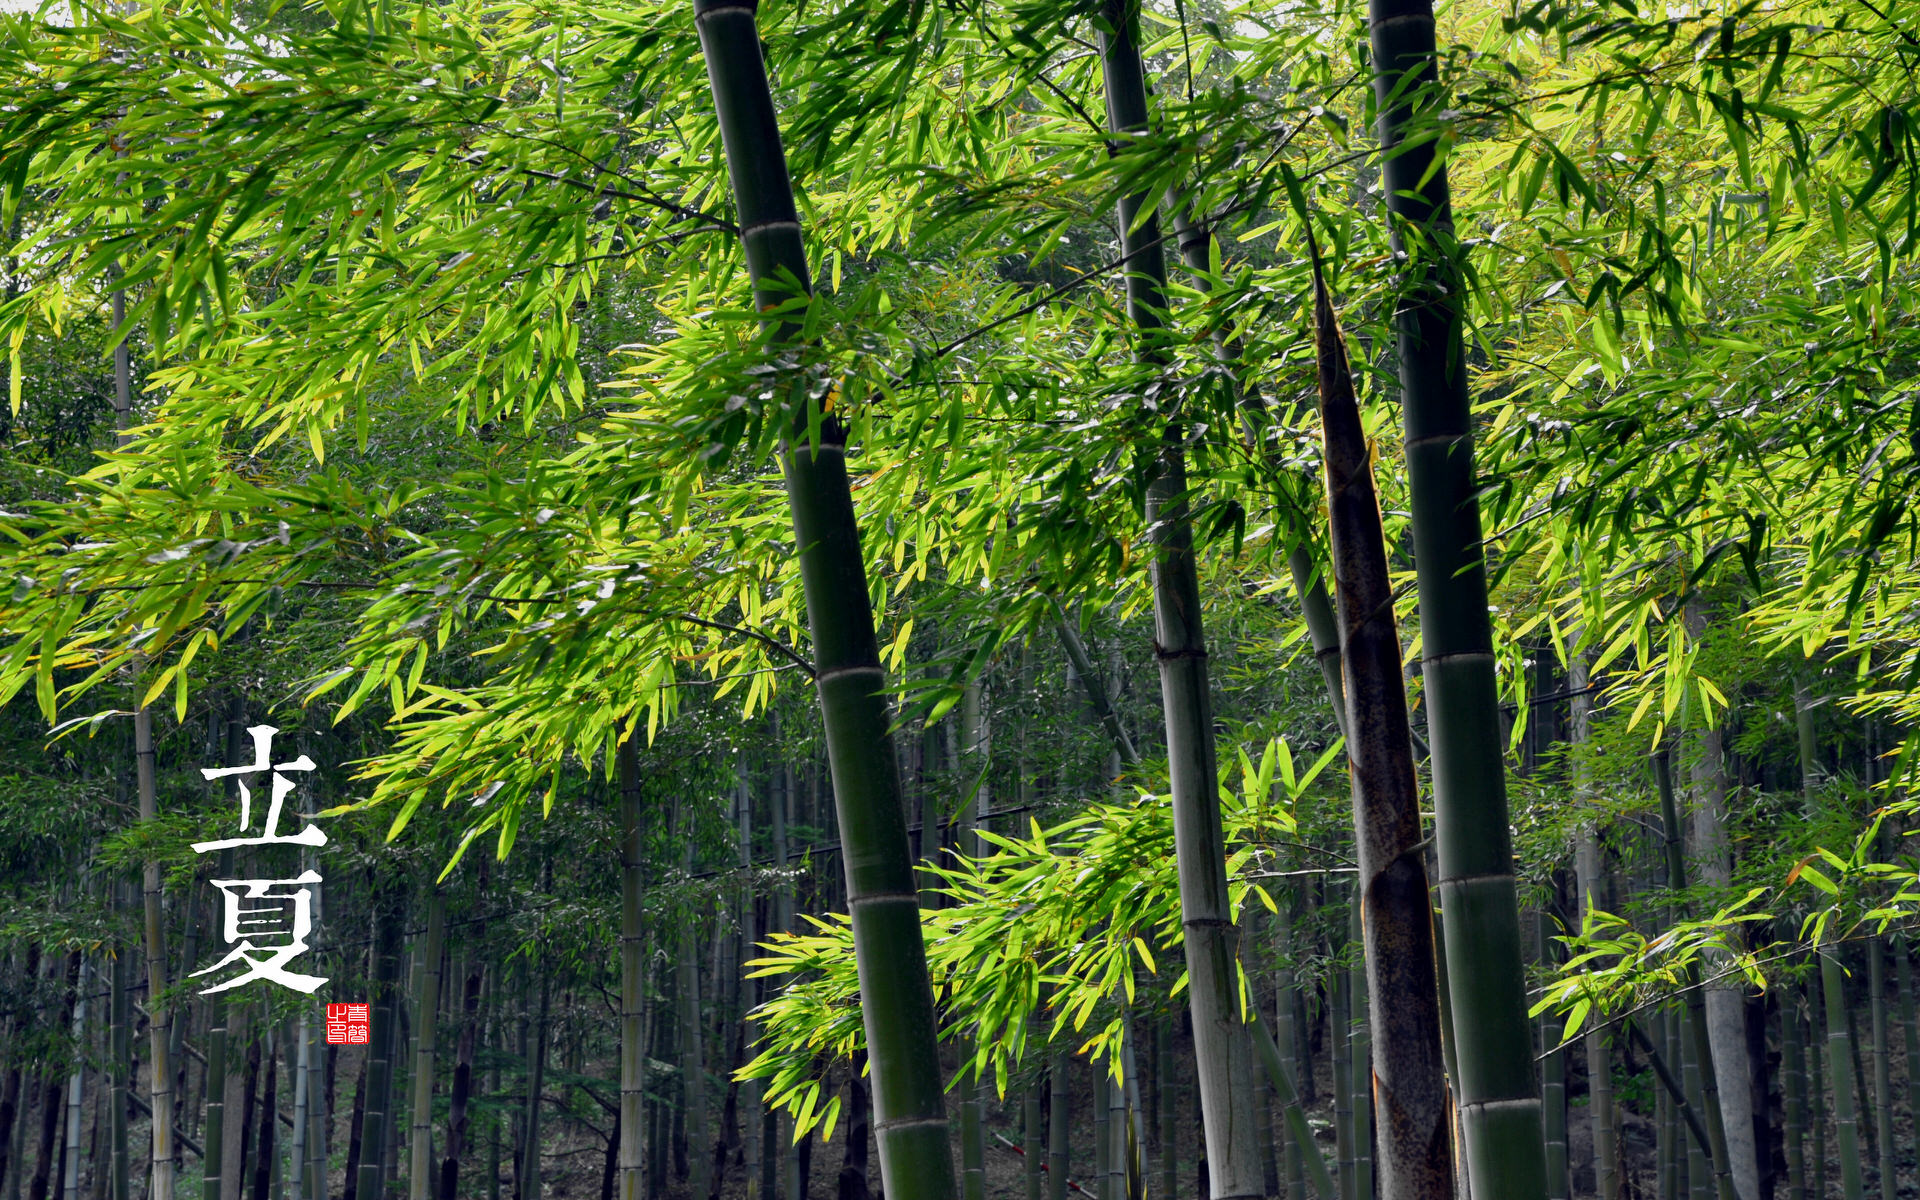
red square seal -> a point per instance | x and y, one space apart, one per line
348 1024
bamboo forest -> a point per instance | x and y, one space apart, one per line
959 599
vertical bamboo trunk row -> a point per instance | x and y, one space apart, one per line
1498 1097
895 995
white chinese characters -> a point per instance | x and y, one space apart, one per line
266 936
265 921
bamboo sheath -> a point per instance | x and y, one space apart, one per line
1395 913
896 998
1498 1096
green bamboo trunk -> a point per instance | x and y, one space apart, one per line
69 1181
1223 1062
389 926
693 1068
1670 1150
527 1181
1103 1139
1591 888
1817 1101
1882 1081
1165 1087
160 1074
1699 1163
1365 1081
633 1048
1845 1118
426 1010
1794 1106
1287 1037
973 1154
1393 914
214 1139
299 1049
895 995
1339 1032
1909 1029
1032 1176
1498 1096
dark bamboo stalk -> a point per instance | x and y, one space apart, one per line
1394 914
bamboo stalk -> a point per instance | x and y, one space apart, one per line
1060 1100
1392 917
895 994
1696 1008
1553 1083
1882 1081
426 1020
1498 1095
1223 1066
1845 1119
633 1049
1793 1070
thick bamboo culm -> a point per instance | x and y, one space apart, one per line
909 1106
1497 1092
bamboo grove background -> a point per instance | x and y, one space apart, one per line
1092 492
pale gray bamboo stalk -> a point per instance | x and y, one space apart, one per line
1591 892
